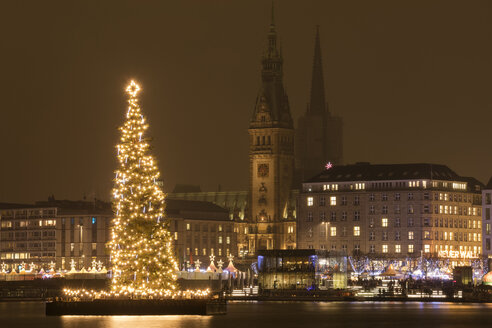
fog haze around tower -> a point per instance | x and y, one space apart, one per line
411 81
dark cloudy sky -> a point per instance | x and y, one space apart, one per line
411 79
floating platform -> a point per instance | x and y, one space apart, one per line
137 307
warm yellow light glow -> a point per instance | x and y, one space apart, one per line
141 246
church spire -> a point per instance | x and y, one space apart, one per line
317 101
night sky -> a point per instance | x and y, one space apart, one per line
411 79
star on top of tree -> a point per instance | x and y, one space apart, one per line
133 89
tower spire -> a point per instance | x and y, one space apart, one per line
272 50
273 14
272 98
317 100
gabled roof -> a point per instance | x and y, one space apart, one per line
489 184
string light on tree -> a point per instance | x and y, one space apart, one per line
141 246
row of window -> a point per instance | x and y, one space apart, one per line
23 235
356 231
397 197
204 239
410 248
27 213
204 251
28 223
391 184
442 222
11 245
204 227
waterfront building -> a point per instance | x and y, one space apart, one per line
53 233
237 204
319 133
301 269
394 211
486 226
63 234
200 229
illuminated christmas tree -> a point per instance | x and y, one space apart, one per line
141 246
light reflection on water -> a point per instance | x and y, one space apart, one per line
135 321
271 314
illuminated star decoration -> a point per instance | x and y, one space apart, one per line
328 165
133 89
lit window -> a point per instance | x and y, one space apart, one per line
220 227
410 248
385 248
333 200
410 235
220 239
176 235
427 248
188 227
384 222
290 229
397 248
196 251
356 230
228 240
333 231
220 251
204 251
94 220
310 201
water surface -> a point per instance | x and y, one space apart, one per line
271 314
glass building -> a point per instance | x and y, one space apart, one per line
306 269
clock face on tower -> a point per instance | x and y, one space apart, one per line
262 170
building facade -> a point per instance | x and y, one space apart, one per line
486 226
62 234
271 157
396 211
54 233
200 229
319 133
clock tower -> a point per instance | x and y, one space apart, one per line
271 157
